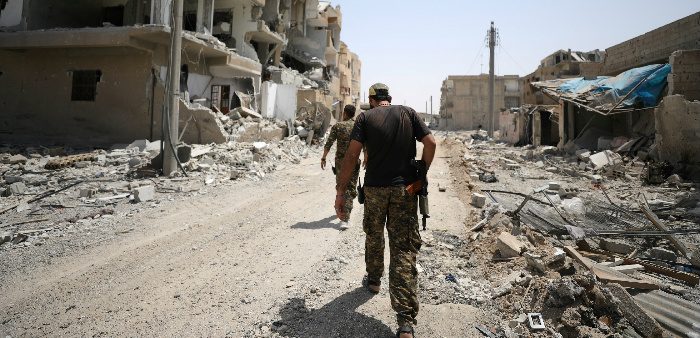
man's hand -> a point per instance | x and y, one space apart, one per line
323 164
339 204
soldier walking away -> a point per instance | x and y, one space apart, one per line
389 134
340 132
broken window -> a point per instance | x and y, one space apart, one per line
113 15
85 85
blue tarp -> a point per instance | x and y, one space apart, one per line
605 91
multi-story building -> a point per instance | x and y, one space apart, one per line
349 66
465 100
560 65
99 68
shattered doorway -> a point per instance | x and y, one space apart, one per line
221 98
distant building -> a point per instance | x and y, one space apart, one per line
465 100
561 65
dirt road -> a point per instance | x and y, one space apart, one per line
253 259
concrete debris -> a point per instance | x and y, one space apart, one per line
478 200
616 246
605 159
17 159
509 246
144 194
662 254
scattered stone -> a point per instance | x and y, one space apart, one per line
134 162
17 159
596 179
554 186
663 254
478 200
15 189
88 192
539 164
144 194
616 246
509 246
674 179
535 262
563 292
604 159
551 169
9 179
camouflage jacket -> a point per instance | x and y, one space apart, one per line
340 132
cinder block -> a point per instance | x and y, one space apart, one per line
145 193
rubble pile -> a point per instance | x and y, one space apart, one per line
568 245
50 191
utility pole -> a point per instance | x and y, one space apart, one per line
172 136
431 105
492 79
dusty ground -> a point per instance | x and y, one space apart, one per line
245 260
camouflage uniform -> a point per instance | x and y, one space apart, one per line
398 209
341 132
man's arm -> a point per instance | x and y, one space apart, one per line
349 162
429 146
329 143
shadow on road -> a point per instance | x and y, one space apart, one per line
324 223
335 319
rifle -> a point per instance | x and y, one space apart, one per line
420 188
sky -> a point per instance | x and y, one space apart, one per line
412 46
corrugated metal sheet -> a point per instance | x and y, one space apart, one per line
678 316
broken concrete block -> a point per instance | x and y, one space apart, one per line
134 162
509 246
473 177
138 144
145 193
535 261
628 269
539 164
568 192
616 246
605 158
554 186
583 155
5 237
18 188
551 169
674 179
478 200
663 254
511 166
88 192
9 179
17 159
596 179
582 166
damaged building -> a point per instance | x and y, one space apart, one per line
98 68
638 101
465 98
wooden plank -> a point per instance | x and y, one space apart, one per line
587 262
609 275
689 278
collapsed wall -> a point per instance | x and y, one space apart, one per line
677 134
200 125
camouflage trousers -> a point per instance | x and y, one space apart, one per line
351 191
397 209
